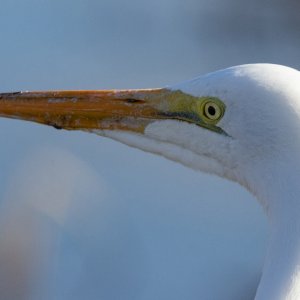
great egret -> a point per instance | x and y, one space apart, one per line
241 123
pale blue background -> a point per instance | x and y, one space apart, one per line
83 217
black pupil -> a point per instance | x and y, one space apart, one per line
211 110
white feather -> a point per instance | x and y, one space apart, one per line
261 152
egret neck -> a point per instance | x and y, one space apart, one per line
277 188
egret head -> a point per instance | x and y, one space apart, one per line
223 123
232 123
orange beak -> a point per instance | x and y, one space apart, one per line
129 110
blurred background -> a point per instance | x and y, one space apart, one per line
83 217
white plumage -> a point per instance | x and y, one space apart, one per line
260 152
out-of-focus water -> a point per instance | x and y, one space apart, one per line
87 218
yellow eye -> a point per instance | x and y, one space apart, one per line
212 111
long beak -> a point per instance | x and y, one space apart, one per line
129 110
